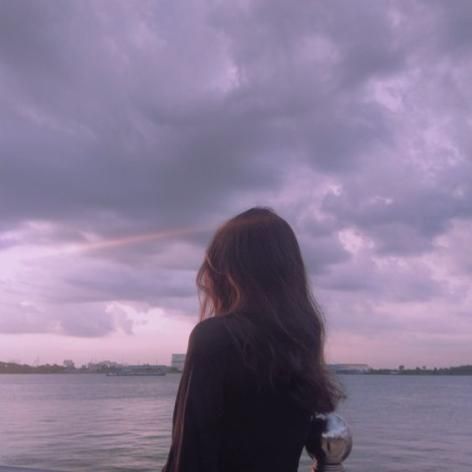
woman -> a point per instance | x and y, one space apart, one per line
254 374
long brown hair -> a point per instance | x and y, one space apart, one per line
253 268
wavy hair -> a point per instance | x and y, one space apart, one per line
253 267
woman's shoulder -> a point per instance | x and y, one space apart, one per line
210 334
207 327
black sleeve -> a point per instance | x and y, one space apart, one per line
313 441
198 409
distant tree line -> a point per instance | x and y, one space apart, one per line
13 368
69 368
459 370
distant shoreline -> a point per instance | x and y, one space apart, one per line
69 368
338 369
458 370
364 374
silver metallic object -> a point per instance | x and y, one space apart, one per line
333 445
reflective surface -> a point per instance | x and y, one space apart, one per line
79 422
336 440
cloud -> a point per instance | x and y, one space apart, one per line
352 120
83 319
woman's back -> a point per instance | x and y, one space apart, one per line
264 428
229 423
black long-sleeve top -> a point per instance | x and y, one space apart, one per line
227 424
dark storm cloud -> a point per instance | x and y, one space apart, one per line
403 209
393 283
114 134
120 118
127 284
321 253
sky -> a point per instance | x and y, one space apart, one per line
130 130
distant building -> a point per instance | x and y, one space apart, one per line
178 361
350 368
100 366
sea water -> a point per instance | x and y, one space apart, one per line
77 422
